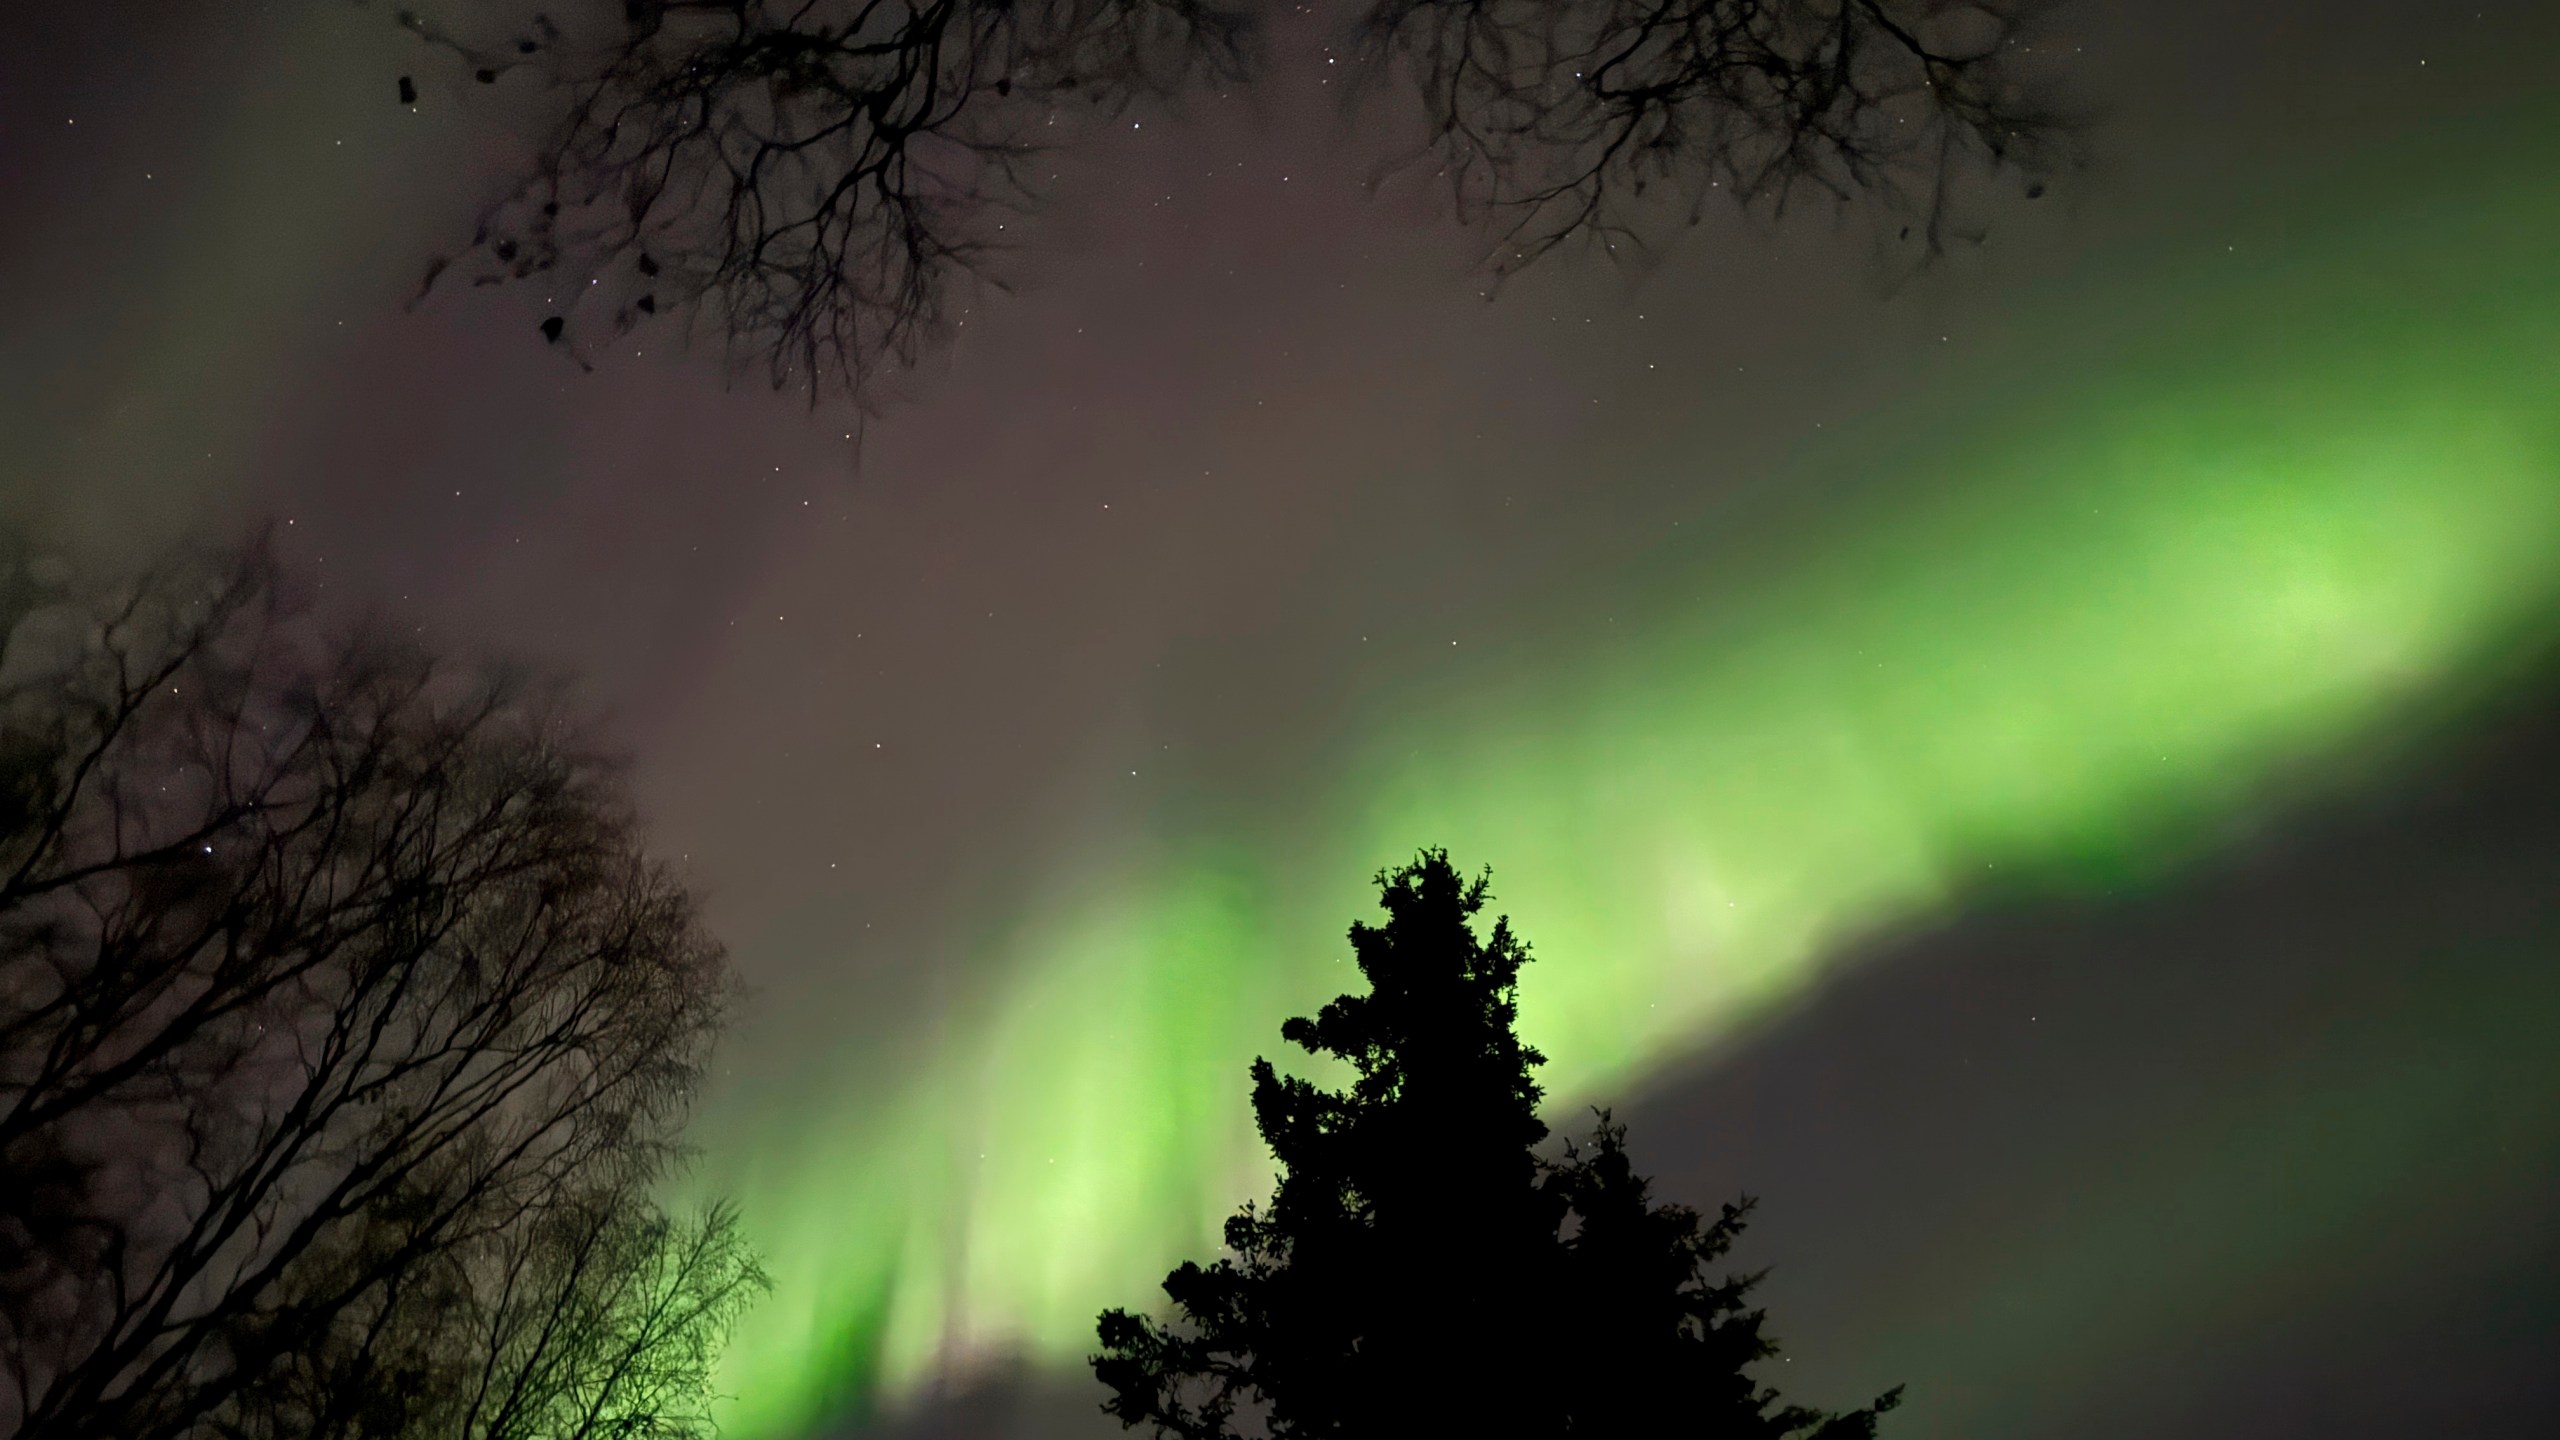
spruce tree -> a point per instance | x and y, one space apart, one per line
1420 1268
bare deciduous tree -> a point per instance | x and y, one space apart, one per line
343 1032
1586 119
808 178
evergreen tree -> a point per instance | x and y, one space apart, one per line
1420 1268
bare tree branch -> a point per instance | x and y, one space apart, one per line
1598 120
337 1006
807 179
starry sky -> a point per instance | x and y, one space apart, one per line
1032 764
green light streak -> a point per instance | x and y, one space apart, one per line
2115 616
174 373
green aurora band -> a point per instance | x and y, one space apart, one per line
2174 580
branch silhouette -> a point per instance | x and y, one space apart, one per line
343 1031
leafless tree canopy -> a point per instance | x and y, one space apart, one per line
343 1028
809 177
1583 119
806 179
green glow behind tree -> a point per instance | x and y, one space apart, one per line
1421 1269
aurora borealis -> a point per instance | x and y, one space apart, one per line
1918 724
2058 654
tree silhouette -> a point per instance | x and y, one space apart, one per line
344 1031
1420 1269
805 180
1601 119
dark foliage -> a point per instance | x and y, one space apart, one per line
343 1031
1593 119
1420 1269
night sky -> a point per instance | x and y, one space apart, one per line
2046 771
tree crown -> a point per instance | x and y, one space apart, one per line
1421 1267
